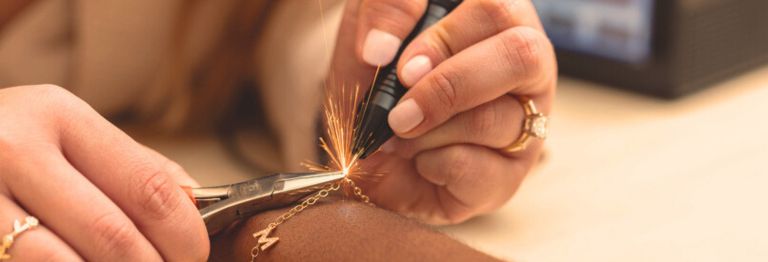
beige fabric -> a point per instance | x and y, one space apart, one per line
36 47
110 52
292 70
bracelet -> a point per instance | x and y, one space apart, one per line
340 114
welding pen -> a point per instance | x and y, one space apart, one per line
387 89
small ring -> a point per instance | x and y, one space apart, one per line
535 125
30 222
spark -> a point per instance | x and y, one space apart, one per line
341 114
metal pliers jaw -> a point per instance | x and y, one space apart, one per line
223 205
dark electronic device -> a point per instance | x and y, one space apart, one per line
387 90
664 48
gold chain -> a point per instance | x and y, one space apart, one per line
358 192
263 241
304 204
262 237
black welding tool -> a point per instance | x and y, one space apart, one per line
373 128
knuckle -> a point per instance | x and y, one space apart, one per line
157 194
520 48
28 120
53 98
50 92
459 164
483 122
397 13
441 40
115 235
444 89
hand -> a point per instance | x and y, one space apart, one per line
98 194
462 73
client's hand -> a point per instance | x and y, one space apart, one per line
462 74
98 194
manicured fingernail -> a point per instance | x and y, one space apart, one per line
380 47
405 116
415 69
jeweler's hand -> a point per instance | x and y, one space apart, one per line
99 195
462 74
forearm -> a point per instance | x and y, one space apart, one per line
341 230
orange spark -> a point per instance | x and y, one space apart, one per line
340 110
341 113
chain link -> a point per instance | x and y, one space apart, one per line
304 204
323 193
358 192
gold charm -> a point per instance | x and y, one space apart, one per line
7 242
29 223
263 239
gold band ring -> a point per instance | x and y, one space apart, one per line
18 228
535 125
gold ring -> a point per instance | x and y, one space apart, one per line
29 223
535 125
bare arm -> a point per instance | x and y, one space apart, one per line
343 230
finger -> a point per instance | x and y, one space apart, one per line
139 181
346 68
49 187
471 22
37 244
382 27
519 61
471 179
122 169
495 124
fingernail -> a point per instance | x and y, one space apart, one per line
415 69
405 116
380 47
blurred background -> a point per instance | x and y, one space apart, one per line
657 149
665 49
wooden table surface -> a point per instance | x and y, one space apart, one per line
627 178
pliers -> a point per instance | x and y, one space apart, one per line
221 206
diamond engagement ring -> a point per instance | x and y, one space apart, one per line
535 125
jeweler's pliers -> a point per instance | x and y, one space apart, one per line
222 205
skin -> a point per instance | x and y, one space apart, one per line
343 230
102 196
448 168
99 195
